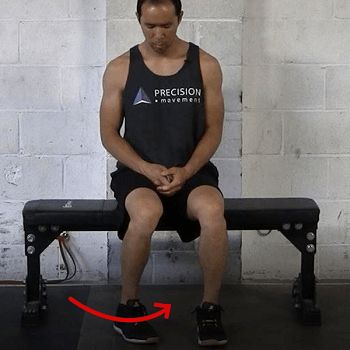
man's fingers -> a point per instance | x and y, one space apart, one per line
168 189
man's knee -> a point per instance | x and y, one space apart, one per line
145 209
206 205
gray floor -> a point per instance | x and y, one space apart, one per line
255 317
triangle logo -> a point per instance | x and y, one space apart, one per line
141 97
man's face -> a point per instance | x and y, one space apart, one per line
159 24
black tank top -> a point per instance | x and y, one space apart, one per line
164 115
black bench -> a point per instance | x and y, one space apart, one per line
295 218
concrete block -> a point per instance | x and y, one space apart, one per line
214 34
33 9
84 176
265 260
82 88
91 262
232 273
262 132
313 9
270 87
9 42
334 224
37 87
11 223
279 176
229 177
87 9
176 268
169 241
12 262
49 262
114 268
191 8
206 9
324 41
62 133
317 132
341 8
234 244
187 31
339 185
111 167
122 35
63 42
233 116
121 9
27 178
232 87
264 41
231 140
334 262
235 241
9 132
338 87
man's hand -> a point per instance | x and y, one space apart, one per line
153 173
178 177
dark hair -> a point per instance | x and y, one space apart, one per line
176 3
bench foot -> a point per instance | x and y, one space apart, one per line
35 311
307 310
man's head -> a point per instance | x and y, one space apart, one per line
159 20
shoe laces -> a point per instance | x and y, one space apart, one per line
137 308
209 316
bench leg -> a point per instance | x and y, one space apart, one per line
35 303
304 292
304 289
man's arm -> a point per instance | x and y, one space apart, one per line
214 115
214 119
111 118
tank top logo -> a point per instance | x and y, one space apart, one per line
169 96
141 97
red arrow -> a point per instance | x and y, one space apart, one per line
164 309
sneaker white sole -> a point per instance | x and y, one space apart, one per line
211 342
136 341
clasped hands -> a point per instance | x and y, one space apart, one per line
168 181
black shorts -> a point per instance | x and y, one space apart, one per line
125 180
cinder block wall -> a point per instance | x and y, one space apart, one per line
296 127
296 95
217 29
52 56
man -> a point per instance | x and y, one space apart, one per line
168 91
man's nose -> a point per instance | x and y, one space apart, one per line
159 33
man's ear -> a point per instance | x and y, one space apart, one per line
180 16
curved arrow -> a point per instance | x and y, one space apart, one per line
164 310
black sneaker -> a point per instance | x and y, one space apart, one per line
137 332
209 327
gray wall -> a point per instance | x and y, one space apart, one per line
290 59
296 126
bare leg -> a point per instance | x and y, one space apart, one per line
206 204
145 209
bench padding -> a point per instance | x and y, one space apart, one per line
99 215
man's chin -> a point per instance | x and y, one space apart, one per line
159 48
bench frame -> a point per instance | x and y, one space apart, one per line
41 229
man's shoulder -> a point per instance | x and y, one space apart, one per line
117 70
209 64
206 58
119 63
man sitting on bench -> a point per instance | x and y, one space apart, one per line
169 92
